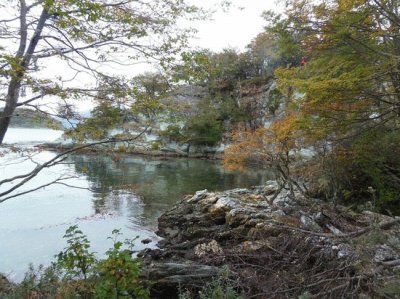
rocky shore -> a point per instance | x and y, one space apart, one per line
168 152
282 248
250 243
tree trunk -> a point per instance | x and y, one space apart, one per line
19 71
11 103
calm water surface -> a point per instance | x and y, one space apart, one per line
109 191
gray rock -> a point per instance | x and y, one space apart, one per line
385 253
210 248
199 195
344 250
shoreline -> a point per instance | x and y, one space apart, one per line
132 151
281 249
270 248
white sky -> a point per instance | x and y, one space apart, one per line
234 28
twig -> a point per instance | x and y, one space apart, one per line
383 225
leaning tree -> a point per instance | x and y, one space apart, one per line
49 47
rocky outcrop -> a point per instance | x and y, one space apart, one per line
5 285
283 249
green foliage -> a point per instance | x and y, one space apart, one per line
76 259
118 273
391 289
147 93
104 118
204 128
229 110
378 158
173 133
155 145
274 100
121 103
103 33
122 148
78 274
27 118
194 68
284 37
37 283
264 54
345 98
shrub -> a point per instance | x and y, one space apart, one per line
155 145
119 272
78 274
204 129
173 133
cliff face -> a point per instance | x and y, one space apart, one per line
281 248
197 123
248 106
261 102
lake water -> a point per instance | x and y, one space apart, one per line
109 191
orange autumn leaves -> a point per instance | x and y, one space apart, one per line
266 147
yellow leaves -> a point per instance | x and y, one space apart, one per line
348 5
264 145
244 145
84 169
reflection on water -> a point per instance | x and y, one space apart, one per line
123 192
158 182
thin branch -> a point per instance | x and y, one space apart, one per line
58 158
383 225
57 181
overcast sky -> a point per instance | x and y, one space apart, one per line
234 28
229 28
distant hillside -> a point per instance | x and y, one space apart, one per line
26 118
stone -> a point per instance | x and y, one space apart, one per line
385 253
199 195
222 205
204 249
236 226
5 285
236 217
344 250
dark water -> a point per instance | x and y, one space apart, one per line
115 192
159 183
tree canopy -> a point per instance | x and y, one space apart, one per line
49 46
338 71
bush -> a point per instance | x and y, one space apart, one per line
78 274
155 145
119 272
204 129
173 133
365 171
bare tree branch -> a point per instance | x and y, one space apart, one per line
55 160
